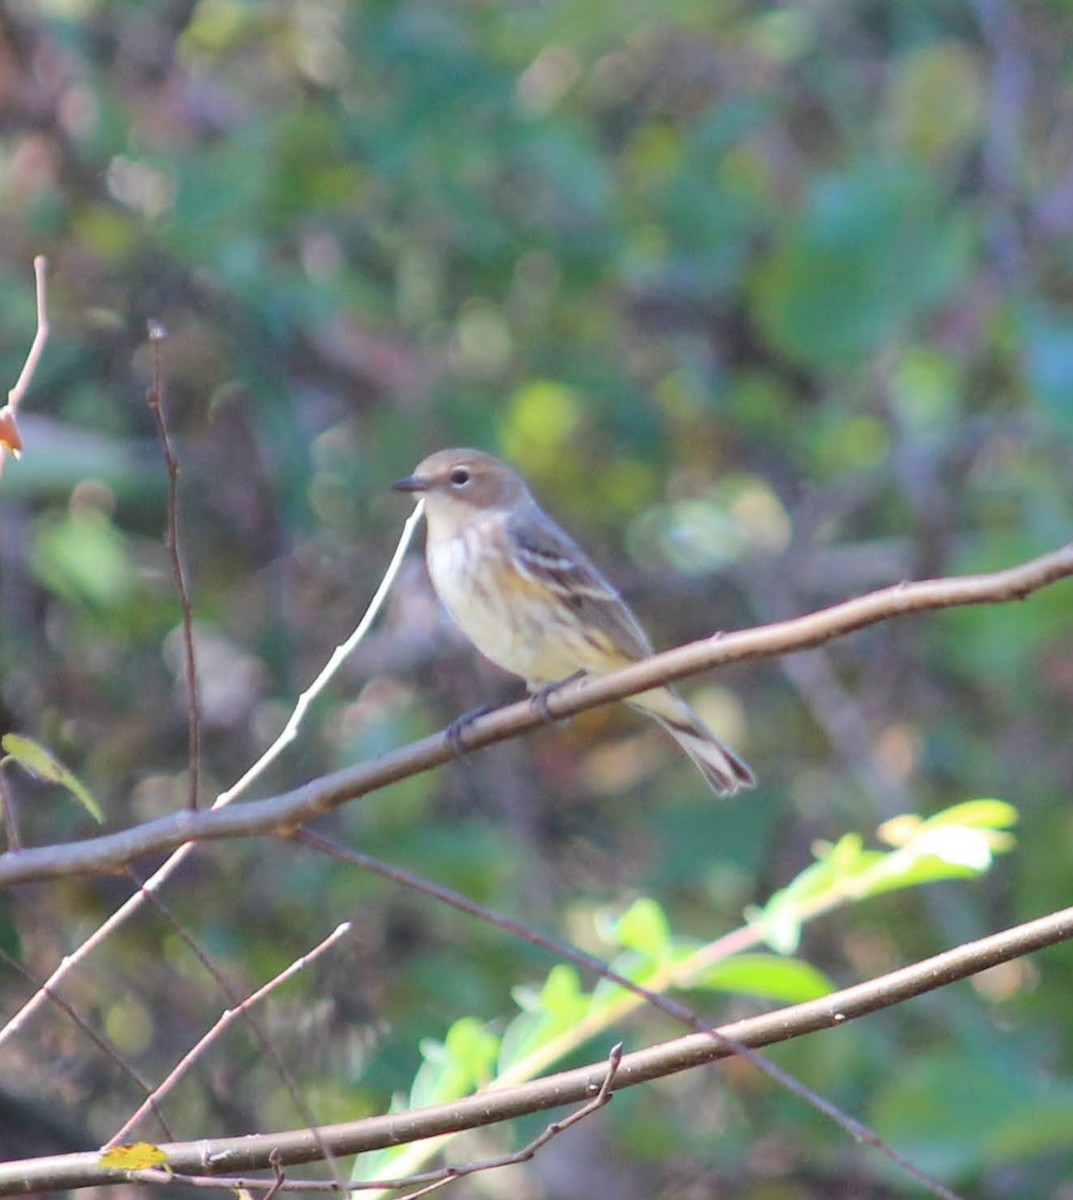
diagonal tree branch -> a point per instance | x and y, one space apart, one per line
281 814
260 1151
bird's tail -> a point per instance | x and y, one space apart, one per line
725 772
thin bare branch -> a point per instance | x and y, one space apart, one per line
529 1151
281 814
155 399
327 673
251 1153
8 817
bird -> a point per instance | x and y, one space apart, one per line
530 599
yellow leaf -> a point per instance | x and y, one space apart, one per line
137 1156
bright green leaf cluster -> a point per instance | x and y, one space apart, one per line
957 843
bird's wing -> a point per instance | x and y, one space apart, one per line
548 556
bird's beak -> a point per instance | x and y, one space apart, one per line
412 483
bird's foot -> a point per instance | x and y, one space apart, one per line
540 696
453 732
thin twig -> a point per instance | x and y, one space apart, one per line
154 397
288 810
10 440
37 346
10 817
327 672
280 1180
529 1151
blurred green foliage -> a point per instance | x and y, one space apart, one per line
772 304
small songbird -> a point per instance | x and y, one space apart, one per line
530 599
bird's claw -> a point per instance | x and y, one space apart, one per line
540 696
453 732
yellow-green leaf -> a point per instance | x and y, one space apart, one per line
42 764
788 980
976 814
643 927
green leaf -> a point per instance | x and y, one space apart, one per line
958 843
770 976
976 814
557 1006
458 1065
779 922
562 999
42 764
472 1048
899 872
643 927
818 884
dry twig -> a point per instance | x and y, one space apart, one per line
155 399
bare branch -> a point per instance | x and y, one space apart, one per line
251 1153
327 672
155 399
8 819
282 813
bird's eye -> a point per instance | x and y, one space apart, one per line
459 477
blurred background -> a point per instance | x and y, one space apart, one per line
770 302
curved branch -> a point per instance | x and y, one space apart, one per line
258 1152
280 814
